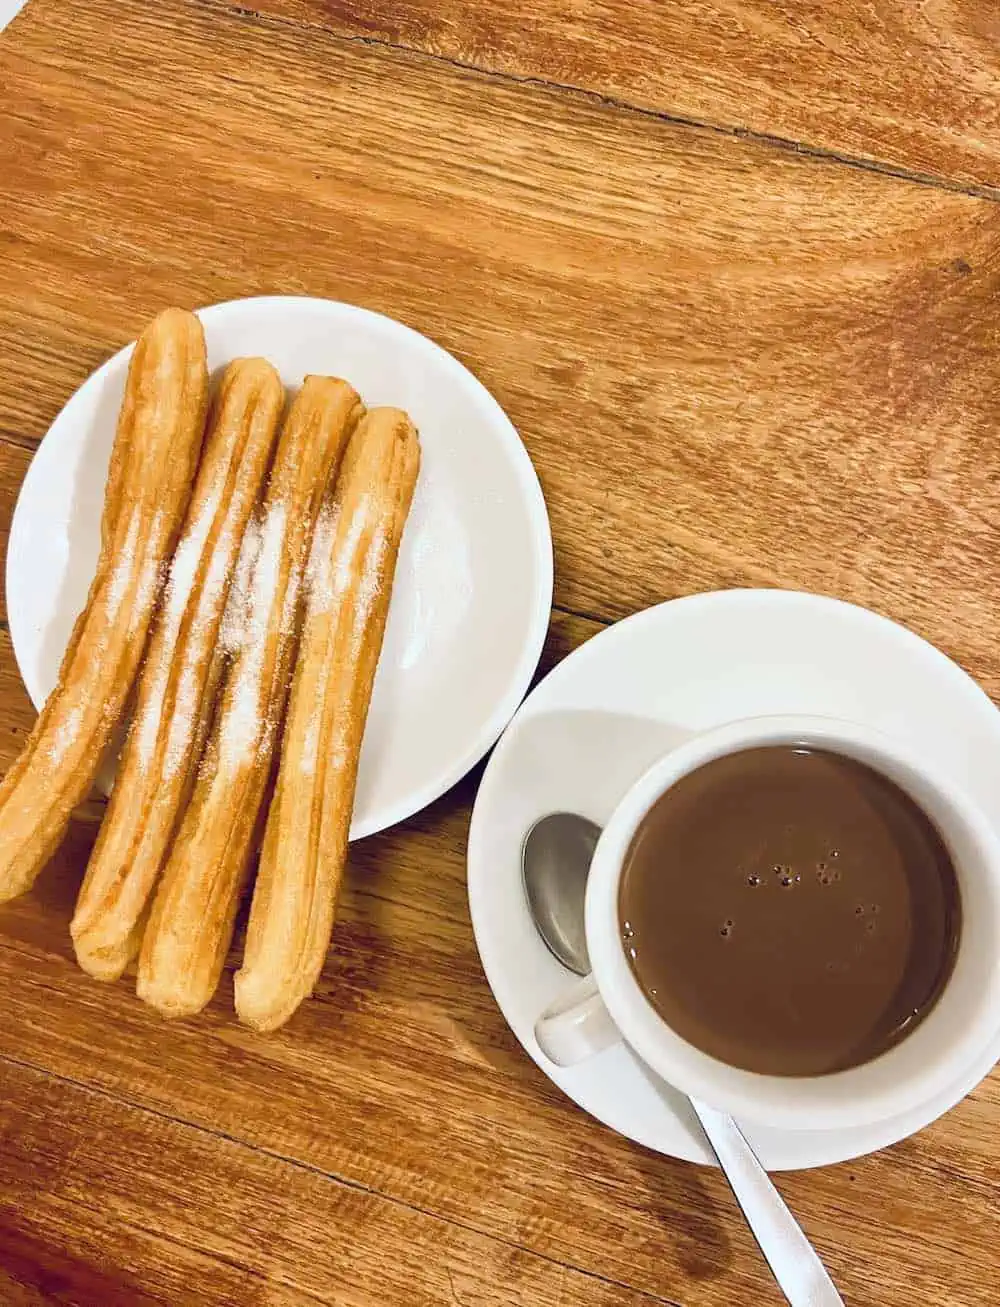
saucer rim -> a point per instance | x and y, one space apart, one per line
877 1136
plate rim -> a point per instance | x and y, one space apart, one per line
529 487
965 1080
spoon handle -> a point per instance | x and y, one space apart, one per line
801 1275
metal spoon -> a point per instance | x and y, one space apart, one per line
555 861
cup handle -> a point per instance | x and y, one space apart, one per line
576 1026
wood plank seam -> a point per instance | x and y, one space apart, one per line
344 1181
565 611
935 181
860 312
814 409
21 442
915 1166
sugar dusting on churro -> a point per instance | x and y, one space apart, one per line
117 595
318 566
66 734
244 720
124 568
337 560
145 582
310 747
152 463
234 619
333 562
184 569
304 853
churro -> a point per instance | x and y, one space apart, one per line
304 853
180 675
153 460
190 924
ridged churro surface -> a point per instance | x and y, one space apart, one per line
190 925
153 461
349 584
180 675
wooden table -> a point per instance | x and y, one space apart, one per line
732 268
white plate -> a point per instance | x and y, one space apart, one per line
605 713
473 587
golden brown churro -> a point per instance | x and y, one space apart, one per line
305 846
153 460
179 679
190 926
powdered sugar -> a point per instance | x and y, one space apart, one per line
147 583
65 735
333 561
188 555
123 568
291 600
310 748
124 574
184 569
344 578
183 720
343 558
318 568
147 724
370 581
235 619
244 726
366 571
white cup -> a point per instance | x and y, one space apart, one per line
609 1006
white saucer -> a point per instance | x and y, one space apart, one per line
630 694
473 589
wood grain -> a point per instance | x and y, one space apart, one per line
14 460
267 1234
912 86
731 365
401 1078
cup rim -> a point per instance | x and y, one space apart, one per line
840 1099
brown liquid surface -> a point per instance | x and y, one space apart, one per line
789 911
